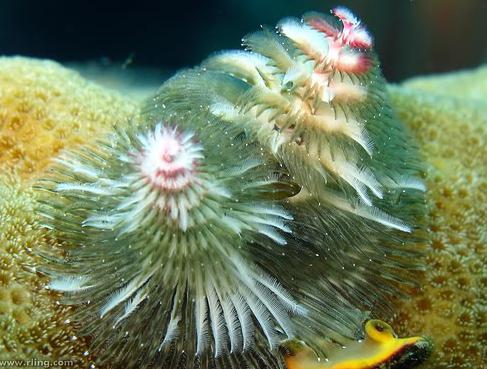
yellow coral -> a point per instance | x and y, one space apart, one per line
32 324
469 84
45 108
452 133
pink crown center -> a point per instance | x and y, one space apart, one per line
169 158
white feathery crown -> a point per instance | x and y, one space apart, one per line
313 94
168 162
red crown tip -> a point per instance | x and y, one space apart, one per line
360 38
353 62
346 16
353 33
323 26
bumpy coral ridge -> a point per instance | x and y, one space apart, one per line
45 108
452 132
468 84
32 324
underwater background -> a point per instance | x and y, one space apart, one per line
411 36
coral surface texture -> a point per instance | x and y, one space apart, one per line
451 129
45 108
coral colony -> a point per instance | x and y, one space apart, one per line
266 199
